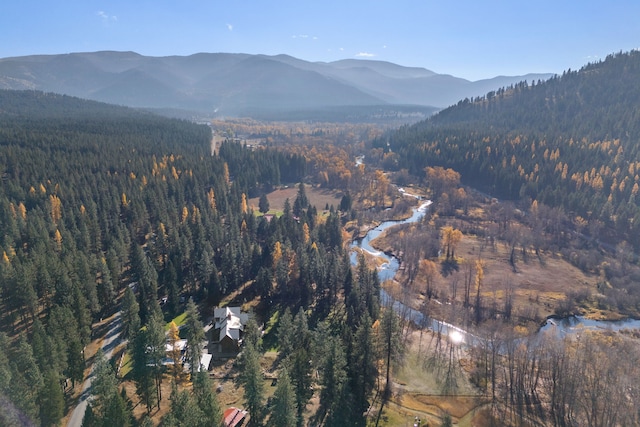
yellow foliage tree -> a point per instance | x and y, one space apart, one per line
450 239
212 199
277 253
429 271
22 210
57 238
173 337
243 205
185 214
305 233
225 169
56 208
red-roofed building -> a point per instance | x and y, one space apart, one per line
234 417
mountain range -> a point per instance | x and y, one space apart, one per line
240 84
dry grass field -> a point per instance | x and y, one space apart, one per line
318 197
417 392
537 285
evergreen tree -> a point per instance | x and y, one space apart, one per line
207 400
51 400
283 409
116 412
195 335
156 350
42 347
250 378
90 419
143 369
103 386
286 337
26 379
184 411
392 345
145 276
333 378
301 370
263 204
106 291
76 362
130 314
362 365
301 202
446 420
264 283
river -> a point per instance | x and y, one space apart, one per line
562 327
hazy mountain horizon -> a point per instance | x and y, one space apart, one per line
238 83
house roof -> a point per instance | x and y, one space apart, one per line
205 361
230 321
180 345
234 417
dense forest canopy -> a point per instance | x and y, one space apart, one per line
98 200
570 142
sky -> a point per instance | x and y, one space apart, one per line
473 39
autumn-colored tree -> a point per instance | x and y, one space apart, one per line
441 180
277 254
381 187
429 271
174 353
450 239
479 278
211 197
243 204
56 208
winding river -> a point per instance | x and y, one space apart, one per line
562 327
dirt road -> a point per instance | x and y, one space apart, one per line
110 341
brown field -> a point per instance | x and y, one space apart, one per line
538 284
318 197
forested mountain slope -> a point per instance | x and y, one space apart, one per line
96 197
571 142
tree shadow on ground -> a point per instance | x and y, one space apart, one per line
449 266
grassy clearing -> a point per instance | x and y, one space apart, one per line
269 337
179 321
127 365
418 390
318 197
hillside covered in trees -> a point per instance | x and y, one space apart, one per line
571 141
97 201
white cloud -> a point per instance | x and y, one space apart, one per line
106 18
365 55
304 36
230 27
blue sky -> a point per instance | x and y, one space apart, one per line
473 39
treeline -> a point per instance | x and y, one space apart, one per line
95 198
